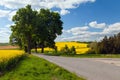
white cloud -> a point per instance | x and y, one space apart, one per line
4 34
73 34
94 24
4 13
62 4
69 4
112 29
78 30
14 4
77 38
7 13
64 12
84 33
37 4
11 14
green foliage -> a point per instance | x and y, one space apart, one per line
72 50
34 29
34 68
23 29
49 27
91 51
67 50
88 42
109 45
95 55
94 48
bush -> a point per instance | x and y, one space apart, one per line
90 52
67 50
72 50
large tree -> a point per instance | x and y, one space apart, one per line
49 27
33 29
24 20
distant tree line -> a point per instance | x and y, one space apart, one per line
109 45
33 29
4 44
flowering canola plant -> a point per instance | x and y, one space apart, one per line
9 57
81 48
7 54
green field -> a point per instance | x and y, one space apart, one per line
34 68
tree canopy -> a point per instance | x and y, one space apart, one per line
34 29
109 45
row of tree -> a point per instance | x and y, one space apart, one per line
109 45
33 29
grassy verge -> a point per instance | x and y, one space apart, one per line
9 61
86 55
34 68
94 55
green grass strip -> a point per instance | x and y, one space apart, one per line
94 55
34 68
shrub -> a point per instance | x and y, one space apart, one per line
67 50
90 52
72 50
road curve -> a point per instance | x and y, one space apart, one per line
89 68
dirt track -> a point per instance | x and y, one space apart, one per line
8 47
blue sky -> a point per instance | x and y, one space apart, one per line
84 20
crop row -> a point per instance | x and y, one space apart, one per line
9 59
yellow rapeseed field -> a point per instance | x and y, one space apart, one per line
81 48
5 55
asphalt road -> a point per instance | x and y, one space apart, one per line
88 68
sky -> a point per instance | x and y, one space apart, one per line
83 20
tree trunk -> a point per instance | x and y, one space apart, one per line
29 48
36 49
42 51
29 45
35 46
25 49
42 47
